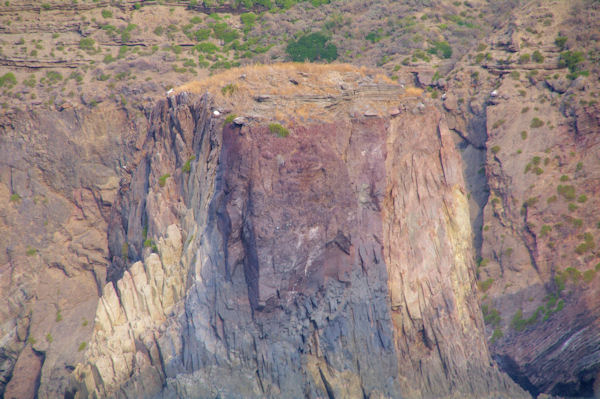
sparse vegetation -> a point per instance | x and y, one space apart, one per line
187 167
229 119
536 122
163 179
228 89
87 44
567 191
8 80
519 324
537 57
279 130
485 285
491 316
587 245
496 335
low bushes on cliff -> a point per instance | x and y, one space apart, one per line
312 47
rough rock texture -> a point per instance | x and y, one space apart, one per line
538 265
53 247
334 261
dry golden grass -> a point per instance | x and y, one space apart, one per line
274 79
236 89
413 92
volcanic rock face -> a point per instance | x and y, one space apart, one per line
331 259
53 248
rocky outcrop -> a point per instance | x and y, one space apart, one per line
328 256
53 248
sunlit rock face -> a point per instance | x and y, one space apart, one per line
319 250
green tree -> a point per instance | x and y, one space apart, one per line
312 47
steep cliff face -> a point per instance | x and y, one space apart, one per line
326 256
538 269
53 249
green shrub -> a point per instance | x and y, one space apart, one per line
248 19
519 324
15 197
491 316
485 285
58 317
30 81
496 335
524 59
228 89
206 47
568 192
187 166
573 274
81 346
49 338
442 49
159 30
570 59
30 251
229 119
223 32
107 14
53 77
564 178
589 275
374 36
537 57
312 47
572 207
536 122
582 198
279 130
560 42
495 149
202 34
163 179
498 123
587 245
8 80
87 44
545 230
